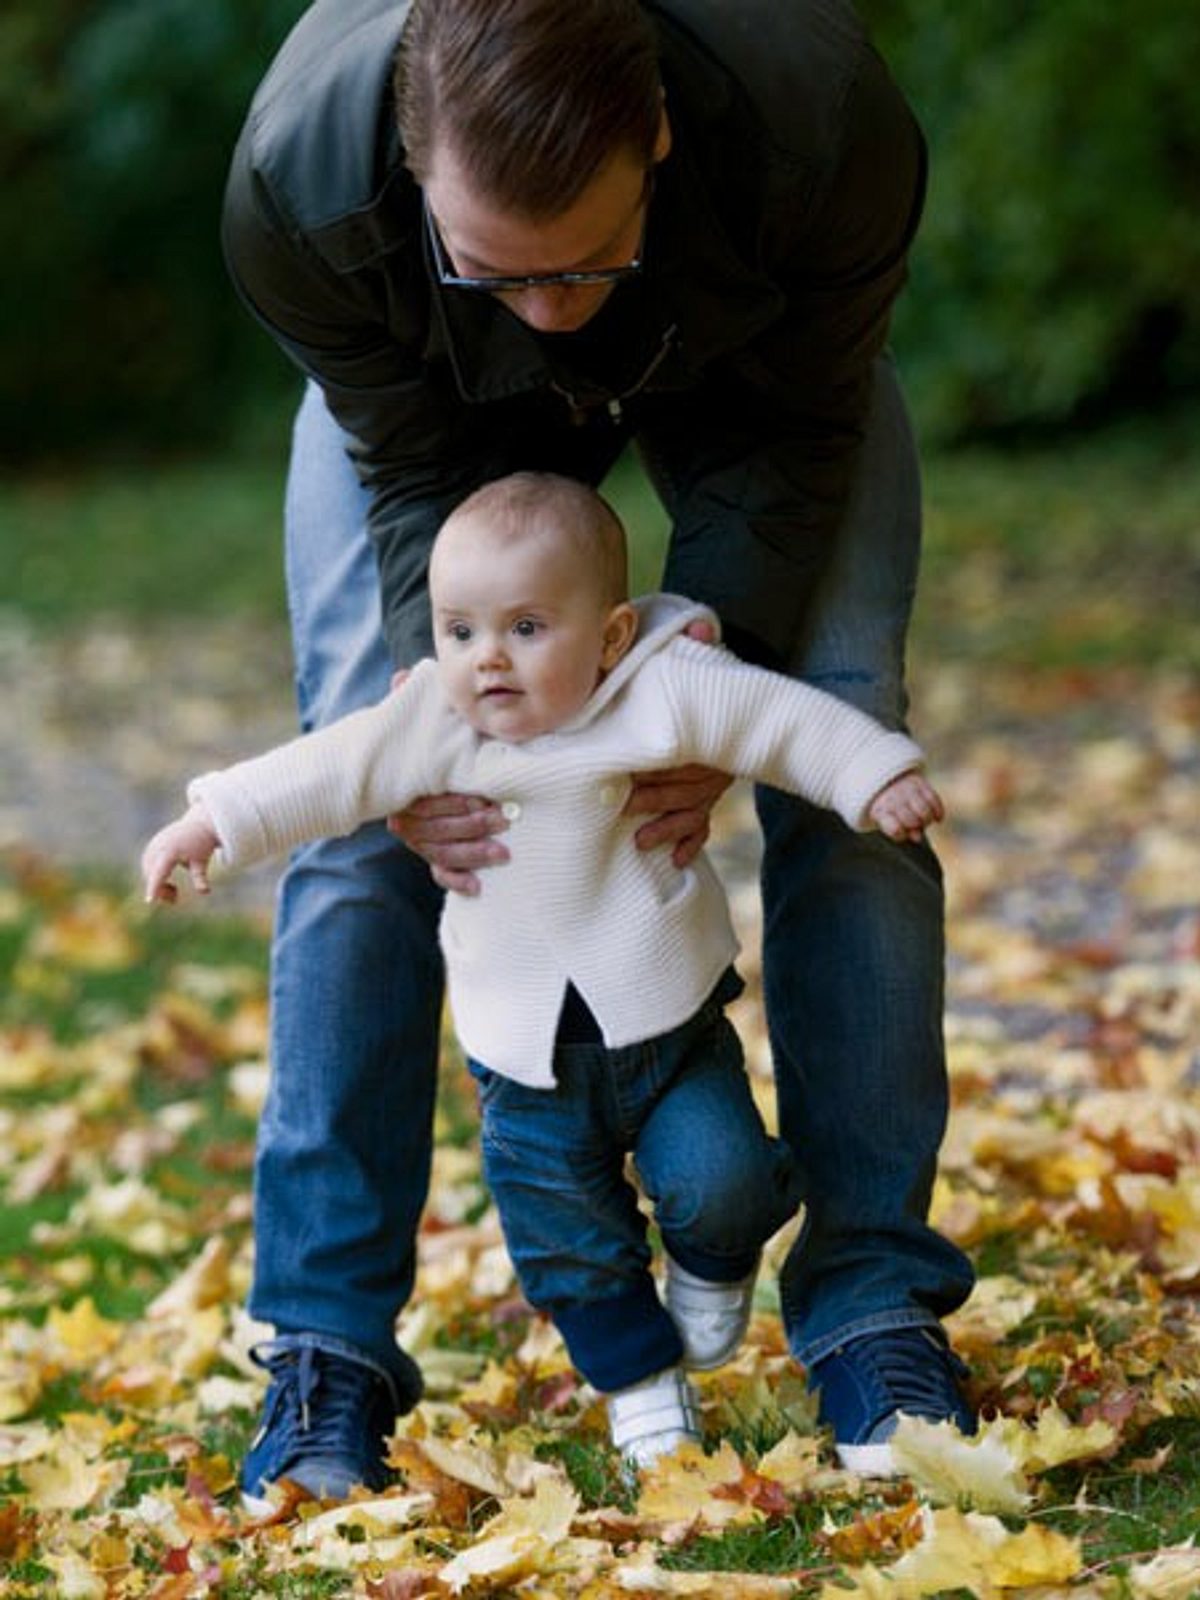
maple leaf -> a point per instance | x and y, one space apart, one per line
645 1577
763 1493
18 1532
74 1577
981 1470
1172 1574
133 1213
412 1583
63 1479
360 1531
20 1387
968 1551
998 1305
203 1282
988 1470
524 1538
452 1499
1055 1440
679 1492
89 934
888 1532
81 1335
795 1464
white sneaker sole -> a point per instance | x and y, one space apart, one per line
868 1460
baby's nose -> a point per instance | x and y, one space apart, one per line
492 651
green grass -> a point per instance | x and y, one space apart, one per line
1086 550
1081 552
179 538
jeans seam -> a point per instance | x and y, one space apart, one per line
878 1322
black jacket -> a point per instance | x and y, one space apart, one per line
775 248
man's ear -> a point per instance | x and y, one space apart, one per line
620 630
662 143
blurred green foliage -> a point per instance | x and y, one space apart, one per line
1057 275
117 118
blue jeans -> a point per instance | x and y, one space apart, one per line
853 969
554 1160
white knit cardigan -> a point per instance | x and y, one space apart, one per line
643 942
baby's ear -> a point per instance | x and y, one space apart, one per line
619 632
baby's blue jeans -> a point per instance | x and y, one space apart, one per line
554 1159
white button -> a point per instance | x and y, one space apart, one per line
511 809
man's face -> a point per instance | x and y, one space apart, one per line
522 638
602 229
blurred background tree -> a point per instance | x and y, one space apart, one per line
1057 277
117 321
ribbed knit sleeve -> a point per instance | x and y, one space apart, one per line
779 731
329 782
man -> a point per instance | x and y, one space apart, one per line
506 234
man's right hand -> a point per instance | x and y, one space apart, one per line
454 834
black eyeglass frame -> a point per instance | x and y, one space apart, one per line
502 282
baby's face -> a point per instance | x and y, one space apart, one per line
522 638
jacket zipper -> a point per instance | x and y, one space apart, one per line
614 405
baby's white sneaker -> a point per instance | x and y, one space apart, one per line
652 1418
712 1318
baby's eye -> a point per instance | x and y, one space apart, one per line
525 628
460 632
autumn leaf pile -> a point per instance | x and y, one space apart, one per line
1071 1173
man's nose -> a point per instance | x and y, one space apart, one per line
554 308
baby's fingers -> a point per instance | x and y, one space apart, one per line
891 823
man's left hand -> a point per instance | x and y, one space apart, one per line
679 801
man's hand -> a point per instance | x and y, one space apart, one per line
680 801
454 834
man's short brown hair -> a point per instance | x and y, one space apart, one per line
533 97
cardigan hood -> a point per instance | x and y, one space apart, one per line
661 618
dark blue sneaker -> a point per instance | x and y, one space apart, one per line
325 1421
864 1385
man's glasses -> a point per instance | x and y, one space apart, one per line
499 282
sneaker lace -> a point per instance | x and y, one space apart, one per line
322 1398
911 1381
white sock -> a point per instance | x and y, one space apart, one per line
712 1318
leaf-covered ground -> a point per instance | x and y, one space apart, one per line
131 1067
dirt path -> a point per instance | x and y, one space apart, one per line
105 727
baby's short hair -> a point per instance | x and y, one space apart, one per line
564 508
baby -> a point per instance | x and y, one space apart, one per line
549 687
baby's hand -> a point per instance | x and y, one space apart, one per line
188 842
906 807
